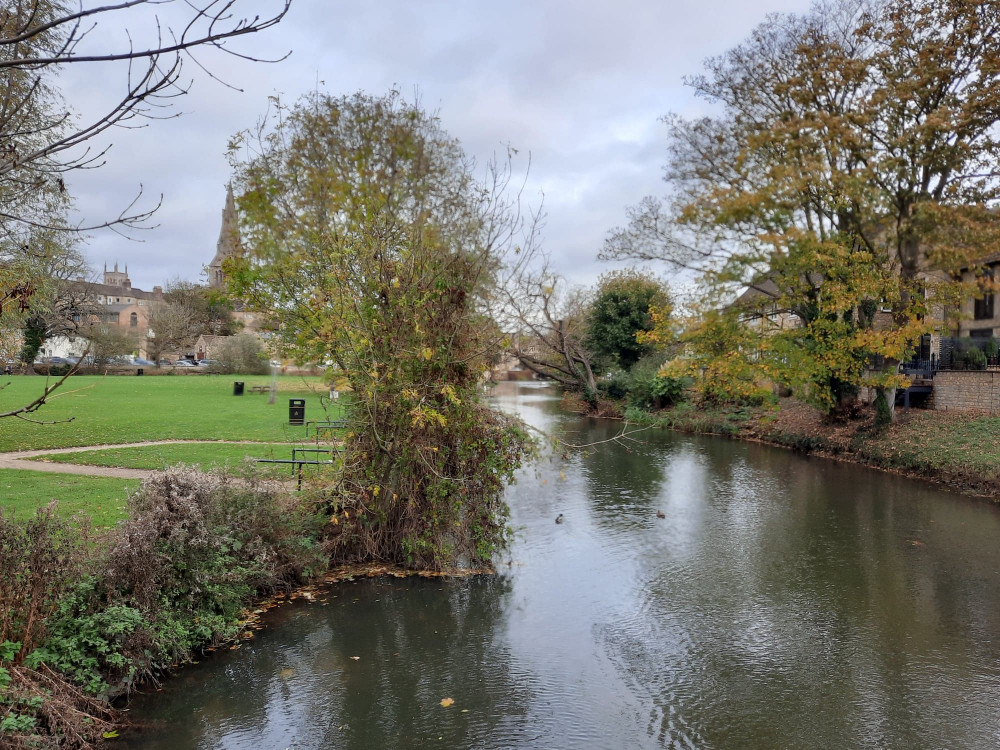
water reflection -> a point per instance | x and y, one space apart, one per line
298 684
782 602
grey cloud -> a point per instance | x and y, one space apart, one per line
580 85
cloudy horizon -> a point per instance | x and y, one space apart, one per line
579 88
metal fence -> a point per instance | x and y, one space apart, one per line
955 354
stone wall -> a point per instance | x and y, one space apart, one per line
967 391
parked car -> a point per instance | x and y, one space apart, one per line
185 363
207 362
142 362
164 362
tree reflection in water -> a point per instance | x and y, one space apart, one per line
296 684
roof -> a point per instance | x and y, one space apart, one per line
766 287
117 291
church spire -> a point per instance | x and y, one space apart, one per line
229 239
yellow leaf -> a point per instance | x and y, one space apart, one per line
333 520
427 352
447 702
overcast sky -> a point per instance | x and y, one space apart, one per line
580 85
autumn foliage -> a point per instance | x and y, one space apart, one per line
848 179
368 237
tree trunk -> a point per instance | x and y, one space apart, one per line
885 413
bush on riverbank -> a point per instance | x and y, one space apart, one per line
39 560
95 619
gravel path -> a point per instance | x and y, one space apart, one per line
20 459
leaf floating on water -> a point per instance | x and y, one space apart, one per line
447 702
356 658
286 673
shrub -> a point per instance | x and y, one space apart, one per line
39 561
648 389
616 385
40 709
973 358
195 550
242 353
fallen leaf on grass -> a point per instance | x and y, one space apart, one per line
356 658
447 702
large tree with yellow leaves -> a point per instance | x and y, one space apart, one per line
369 239
852 167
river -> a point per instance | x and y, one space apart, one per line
783 602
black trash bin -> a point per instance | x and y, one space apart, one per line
296 411
138 371
237 387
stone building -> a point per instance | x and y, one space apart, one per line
118 302
114 301
979 317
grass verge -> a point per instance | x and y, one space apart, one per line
120 409
102 499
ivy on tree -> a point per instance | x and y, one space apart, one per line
374 247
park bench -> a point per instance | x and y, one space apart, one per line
260 388
297 463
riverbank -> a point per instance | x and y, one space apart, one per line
960 451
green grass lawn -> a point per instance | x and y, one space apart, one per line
958 443
100 498
204 455
123 409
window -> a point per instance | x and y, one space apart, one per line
133 320
984 307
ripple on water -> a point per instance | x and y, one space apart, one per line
781 602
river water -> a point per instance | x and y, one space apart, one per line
783 602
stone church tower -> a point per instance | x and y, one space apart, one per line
228 244
116 277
